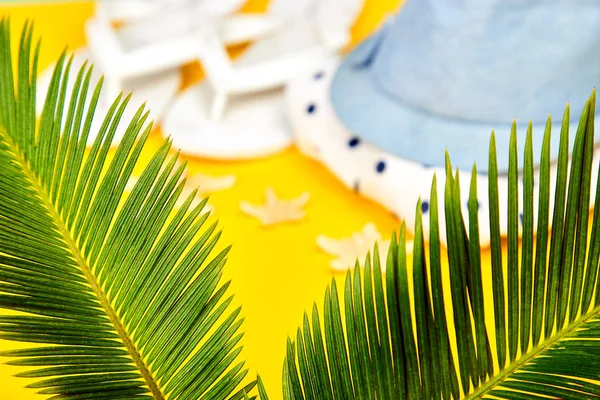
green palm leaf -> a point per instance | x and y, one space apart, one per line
543 342
119 292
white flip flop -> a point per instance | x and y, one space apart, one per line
131 10
135 10
391 181
238 112
143 56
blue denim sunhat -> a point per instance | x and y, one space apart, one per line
443 73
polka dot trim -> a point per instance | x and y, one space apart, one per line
478 205
311 108
425 206
318 75
353 142
380 167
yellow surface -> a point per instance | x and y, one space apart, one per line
274 286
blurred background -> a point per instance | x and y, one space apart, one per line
277 272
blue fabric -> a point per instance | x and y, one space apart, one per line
443 73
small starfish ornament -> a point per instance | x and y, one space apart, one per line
276 211
204 183
348 250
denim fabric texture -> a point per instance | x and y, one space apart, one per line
443 73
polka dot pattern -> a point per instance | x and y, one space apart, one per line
367 169
353 142
478 205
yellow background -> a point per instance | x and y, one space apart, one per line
277 272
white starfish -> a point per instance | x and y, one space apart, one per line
274 210
205 184
347 250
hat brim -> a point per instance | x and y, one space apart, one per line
323 137
423 137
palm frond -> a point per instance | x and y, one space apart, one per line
542 342
121 293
